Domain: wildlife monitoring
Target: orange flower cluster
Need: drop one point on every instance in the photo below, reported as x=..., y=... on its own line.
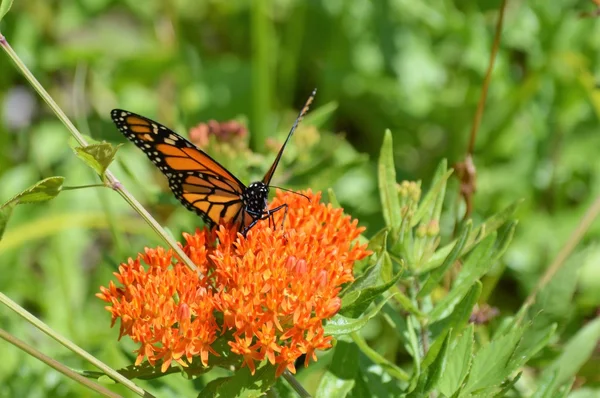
x=273, y=288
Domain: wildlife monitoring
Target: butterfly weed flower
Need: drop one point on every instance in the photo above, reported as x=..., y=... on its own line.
x=228, y=131
x=268, y=292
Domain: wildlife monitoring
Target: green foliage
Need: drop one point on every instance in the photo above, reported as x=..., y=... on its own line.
x=400, y=81
x=5, y=7
x=42, y=191
x=98, y=156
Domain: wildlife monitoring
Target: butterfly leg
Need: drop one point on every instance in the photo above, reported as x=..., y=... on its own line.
x=265, y=215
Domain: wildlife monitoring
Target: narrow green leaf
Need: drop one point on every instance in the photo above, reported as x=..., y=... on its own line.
x=564, y=391
x=4, y=7
x=242, y=383
x=339, y=378
x=505, y=236
x=407, y=303
x=339, y=324
x=374, y=381
x=459, y=317
x=414, y=350
x=458, y=364
x=349, y=298
x=546, y=385
x=476, y=236
x=366, y=297
x=5, y=212
x=476, y=265
x=332, y=198
x=508, y=385
x=431, y=204
x=533, y=340
x=391, y=368
x=41, y=191
x=438, y=366
x=98, y=156
x=376, y=274
x=377, y=243
x=387, y=183
x=438, y=273
x=576, y=352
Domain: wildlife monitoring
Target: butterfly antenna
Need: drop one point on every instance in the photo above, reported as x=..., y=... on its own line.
x=289, y=190
x=303, y=111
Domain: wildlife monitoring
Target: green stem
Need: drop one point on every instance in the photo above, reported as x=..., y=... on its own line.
x=111, y=180
x=295, y=385
x=374, y=356
x=68, y=344
x=56, y=365
x=68, y=188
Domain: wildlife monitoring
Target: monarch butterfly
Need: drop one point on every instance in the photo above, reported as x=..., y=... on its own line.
x=199, y=182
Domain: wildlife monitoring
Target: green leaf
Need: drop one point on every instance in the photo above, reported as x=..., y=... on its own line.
x=564, y=391
x=489, y=364
x=339, y=378
x=366, y=297
x=508, y=385
x=431, y=204
x=546, y=385
x=476, y=236
x=533, y=340
x=476, y=265
x=104, y=379
x=339, y=325
x=42, y=191
x=98, y=156
x=459, y=317
x=242, y=383
x=391, y=368
x=576, y=352
x=553, y=303
x=5, y=212
x=413, y=348
x=505, y=236
x=377, y=243
x=437, y=274
x=4, y=7
x=374, y=275
x=458, y=364
x=387, y=183
x=372, y=380
x=438, y=365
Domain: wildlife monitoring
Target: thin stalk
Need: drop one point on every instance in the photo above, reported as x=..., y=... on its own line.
x=374, y=356
x=584, y=224
x=486, y=81
x=69, y=345
x=111, y=180
x=57, y=365
x=295, y=385
x=68, y=188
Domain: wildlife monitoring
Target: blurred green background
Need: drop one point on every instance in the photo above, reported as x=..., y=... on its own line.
x=413, y=67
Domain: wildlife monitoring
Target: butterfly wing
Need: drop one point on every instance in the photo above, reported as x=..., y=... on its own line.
x=199, y=182
x=267, y=178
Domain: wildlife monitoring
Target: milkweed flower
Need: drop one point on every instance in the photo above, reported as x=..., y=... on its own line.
x=270, y=291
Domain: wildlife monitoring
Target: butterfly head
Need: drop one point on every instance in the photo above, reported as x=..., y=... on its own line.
x=256, y=198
